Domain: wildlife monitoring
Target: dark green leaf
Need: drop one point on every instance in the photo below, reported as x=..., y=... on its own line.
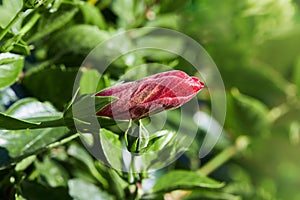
x=34, y=191
x=11, y=66
x=11, y=123
x=179, y=179
x=54, y=84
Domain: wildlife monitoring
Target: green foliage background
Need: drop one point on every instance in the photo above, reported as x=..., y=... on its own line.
x=255, y=44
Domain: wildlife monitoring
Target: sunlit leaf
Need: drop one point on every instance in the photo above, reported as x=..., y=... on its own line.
x=91, y=191
x=17, y=144
x=77, y=39
x=11, y=66
x=52, y=21
x=112, y=148
x=9, y=10
x=179, y=179
x=53, y=173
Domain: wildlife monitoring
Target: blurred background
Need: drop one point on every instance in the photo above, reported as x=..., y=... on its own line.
x=254, y=43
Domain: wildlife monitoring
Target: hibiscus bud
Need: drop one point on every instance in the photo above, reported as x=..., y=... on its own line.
x=150, y=95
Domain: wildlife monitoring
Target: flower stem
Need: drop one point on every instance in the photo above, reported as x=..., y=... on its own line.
x=240, y=144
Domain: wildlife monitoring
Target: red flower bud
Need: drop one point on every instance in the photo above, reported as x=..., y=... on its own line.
x=150, y=95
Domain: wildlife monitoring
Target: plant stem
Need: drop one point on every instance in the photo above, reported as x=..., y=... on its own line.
x=240, y=144
x=53, y=123
x=13, y=21
x=8, y=45
x=29, y=24
x=63, y=141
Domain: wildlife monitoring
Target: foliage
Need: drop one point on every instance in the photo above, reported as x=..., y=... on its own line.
x=254, y=43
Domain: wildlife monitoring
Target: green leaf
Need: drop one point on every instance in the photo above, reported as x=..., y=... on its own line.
x=162, y=143
x=142, y=71
x=207, y=194
x=53, y=21
x=287, y=121
x=87, y=107
x=273, y=51
x=160, y=140
x=257, y=81
x=92, y=15
x=28, y=113
x=246, y=115
x=134, y=15
x=81, y=154
x=91, y=191
x=82, y=110
x=34, y=191
x=106, y=121
x=7, y=96
x=18, y=144
x=297, y=76
x=15, y=145
x=54, y=84
x=19, y=197
x=174, y=44
x=91, y=81
x=9, y=9
x=32, y=110
x=11, y=66
x=26, y=162
x=77, y=39
x=170, y=21
x=179, y=179
x=112, y=148
x=52, y=172
x=11, y=123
